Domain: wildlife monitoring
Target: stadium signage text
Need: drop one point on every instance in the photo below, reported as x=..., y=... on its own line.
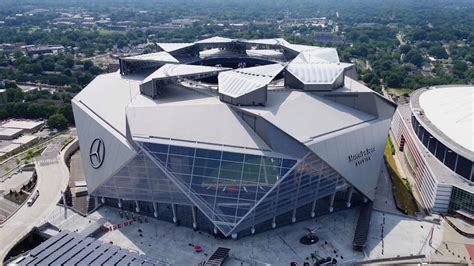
x=361, y=157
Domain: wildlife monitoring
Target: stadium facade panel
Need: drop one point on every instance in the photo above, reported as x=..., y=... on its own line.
x=236, y=149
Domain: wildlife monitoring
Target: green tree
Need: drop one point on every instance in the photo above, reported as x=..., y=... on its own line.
x=438, y=52
x=394, y=81
x=414, y=57
x=57, y=121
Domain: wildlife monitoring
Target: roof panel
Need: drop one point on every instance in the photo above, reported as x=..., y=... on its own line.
x=305, y=116
x=211, y=121
x=298, y=47
x=216, y=39
x=242, y=81
x=318, y=55
x=153, y=57
x=171, y=47
x=276, y=41
x=312, y=73
x=118, y=90
x=176, y=70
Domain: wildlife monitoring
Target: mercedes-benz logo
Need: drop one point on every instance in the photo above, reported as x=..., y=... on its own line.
x=97, y=153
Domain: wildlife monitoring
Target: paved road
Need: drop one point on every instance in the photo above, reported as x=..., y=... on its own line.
x=52, y=180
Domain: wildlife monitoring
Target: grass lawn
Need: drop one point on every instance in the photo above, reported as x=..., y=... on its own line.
x=401, y=187
x=399, y=91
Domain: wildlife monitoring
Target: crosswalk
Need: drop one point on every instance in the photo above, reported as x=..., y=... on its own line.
x=44, y=162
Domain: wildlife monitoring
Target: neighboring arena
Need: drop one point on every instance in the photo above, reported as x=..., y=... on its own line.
x=232, y=136
x=436, y=134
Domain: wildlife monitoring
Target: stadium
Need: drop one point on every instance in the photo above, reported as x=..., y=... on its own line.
x=232, y=136
x=434, y=132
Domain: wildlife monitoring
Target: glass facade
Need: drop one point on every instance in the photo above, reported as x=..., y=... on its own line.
x=224, y=185
x=310, y=180
x=231, y=189
x=462, y=166
x=461, y=200
x=140, y=179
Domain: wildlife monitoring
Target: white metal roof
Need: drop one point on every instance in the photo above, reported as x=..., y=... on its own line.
x=276, y=41
x=108, y=95
x=187, y=115
x=318, y=55
x=215, y=39
x=174, y=70
x=158, y=57
x=171, y=47
x=451, y=110
x=9, y=132
x=316, y=73
x=242, y=81
x=268, y=53
x=298, y=47
x=23, y=124
x=25, y=139
x=10, y=148
x=305, y=116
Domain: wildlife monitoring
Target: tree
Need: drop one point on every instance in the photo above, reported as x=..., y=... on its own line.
x=394, y=81
x=88, y=64
x=414, y=57
x=438, y=52
x=405, y=48
x=459, y=68
x=57, y=121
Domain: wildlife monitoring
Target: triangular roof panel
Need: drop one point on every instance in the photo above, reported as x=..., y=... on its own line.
x=318, y=55
x=153, y=57
x=242, y=81
x=316, y=73
x=171, y=47
x=276, y=41
x=215, y=39
x=178, y=70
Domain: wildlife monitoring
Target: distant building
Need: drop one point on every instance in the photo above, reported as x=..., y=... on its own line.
x=26, y=140
x=435, y=134
x=10, y=133
x=28, y=126
x=44, y=49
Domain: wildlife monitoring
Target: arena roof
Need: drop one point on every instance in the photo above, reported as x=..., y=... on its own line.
x=171, y=47
x=450, y=109
x=242, y=81
x=318, y=55
x=177, y=70
x=316, y=73
x=212, y=121
x=306, y=117
x=153, y=57
x=117, y=90
x=215, y=39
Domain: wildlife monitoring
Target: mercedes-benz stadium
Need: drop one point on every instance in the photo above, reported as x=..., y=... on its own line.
x=232, y=136
x=435, y=134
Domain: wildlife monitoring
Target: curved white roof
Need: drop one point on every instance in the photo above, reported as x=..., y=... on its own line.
x=451, y=110
x=159, y=57
x=176, y=70
x=318, y=73
x=239, y=82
